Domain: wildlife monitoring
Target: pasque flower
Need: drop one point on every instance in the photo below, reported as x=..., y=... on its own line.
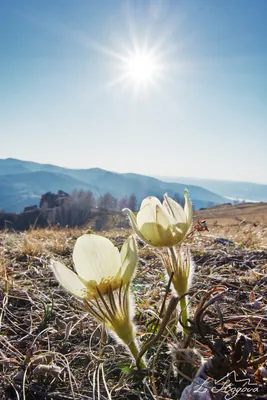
x=181, y=266
x=102, y=279
x=162, y=225
x=99, y=266
x=166, y=225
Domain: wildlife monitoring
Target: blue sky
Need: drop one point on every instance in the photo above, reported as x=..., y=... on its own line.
x=63, y=100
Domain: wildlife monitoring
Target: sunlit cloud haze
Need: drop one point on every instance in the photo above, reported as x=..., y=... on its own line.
x=171, y=88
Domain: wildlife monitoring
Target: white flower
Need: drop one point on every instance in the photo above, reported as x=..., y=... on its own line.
x=99, y=265
x=162, y=225
x=102, y=282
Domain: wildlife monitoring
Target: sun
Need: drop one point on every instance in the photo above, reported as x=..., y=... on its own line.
x=141, y=68
x=139, y=60
x=138, y=68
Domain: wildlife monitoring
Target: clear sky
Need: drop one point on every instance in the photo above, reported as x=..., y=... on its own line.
x=73, y=92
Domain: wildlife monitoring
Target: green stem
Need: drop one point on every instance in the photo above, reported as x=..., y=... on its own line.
x=184, y=315
x=134, y=350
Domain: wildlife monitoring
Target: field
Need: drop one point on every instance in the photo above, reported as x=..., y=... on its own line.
x=243, y=222
x=51, y=349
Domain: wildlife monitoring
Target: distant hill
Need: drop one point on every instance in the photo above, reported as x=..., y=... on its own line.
x=233, y=190
x=20, y=190
x=23, y=182
x=234, y=215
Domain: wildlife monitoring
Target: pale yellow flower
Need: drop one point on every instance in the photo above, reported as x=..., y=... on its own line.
x=99, y=266
x=162, y=225
x=102, y=279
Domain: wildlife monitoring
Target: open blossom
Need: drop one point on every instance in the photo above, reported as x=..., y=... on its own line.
x=99, y=266
x=102, y=280
x=162, y=225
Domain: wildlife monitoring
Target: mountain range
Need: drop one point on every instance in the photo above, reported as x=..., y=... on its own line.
x=23, y=182
x=233, y=190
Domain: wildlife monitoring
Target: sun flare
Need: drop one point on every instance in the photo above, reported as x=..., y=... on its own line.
x=141, y=67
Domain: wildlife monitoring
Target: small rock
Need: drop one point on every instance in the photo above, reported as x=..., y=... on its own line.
x=224, y=241
x=196, y=391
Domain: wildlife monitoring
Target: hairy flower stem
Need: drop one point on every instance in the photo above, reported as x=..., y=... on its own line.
x=115, y=315
x=171, y=307
x=184, y=315
x=177, y=279
x=135, y=352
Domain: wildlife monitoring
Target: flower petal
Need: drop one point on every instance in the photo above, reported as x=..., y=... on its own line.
x=188, y=208
x=95, y=258
x=69, y=280
x=175, y=210
x=129, y=259
x=147, y=213
x=163, y=218
x=178, y=234
x=154, y=234
x=147, y=220
x=132, y=217
x=151, y=200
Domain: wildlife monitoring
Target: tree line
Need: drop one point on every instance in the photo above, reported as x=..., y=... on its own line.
x=80, y=207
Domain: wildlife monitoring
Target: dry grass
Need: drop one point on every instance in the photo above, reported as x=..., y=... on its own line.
x=51, y=349
x=245, y=224
x=47, y=241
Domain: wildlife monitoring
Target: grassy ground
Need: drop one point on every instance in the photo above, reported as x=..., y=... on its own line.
x=246, y=223
x=51, y=349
